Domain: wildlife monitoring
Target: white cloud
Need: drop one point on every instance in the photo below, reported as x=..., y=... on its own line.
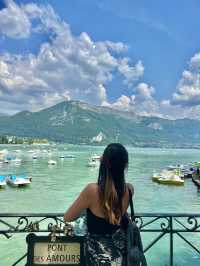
x=145, y=90
x=188, y=89
x=70, y=64
x=14, y=22
x=141, y=102
x=144, y=102
x=116, y=46
x=122, y=103
x=131, y=73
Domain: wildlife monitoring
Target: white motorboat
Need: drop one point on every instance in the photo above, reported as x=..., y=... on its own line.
x=92, y=163
x=182, y=170
x=52, y=162
x=31, y=151
x=16, y=161
x=18, y=180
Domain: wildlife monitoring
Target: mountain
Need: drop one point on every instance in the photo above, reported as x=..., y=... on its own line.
x=80, y=123
x=5, y=115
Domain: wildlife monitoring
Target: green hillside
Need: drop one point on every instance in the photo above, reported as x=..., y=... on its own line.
x=77, y=122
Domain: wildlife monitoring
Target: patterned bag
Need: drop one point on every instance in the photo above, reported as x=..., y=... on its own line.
x=105, y=250
x=135, y=255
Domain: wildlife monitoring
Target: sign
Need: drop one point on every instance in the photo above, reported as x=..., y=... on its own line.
x=66, y=250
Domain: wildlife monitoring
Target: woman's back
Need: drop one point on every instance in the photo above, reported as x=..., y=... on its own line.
x=95, y=205
x=96, y=221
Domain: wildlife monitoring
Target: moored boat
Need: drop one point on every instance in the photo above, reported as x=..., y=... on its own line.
x=176, y=180
x=18, y=180
x=16, y=161
x=196, y=181
x=197, y=164
x=92, y=163
x=167, y=177
x=52, y=162
x=69, y=156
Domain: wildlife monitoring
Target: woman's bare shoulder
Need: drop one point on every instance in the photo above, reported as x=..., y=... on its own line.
x=131, y=187
x=91, y=188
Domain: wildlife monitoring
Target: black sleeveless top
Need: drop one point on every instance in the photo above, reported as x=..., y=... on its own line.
x=98, y=225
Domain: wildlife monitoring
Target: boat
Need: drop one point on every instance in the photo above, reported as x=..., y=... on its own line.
x=197, y=164
x=69, y=156
x=2, y=181
x=20, y=180
x=17, y=161
x=92, y=163
x=156, y=176
x=184, y=170
x=176, y=180
x=167, y=177
x=196, y=181
x=52, y=162
x=187, y=173
x=34, y=157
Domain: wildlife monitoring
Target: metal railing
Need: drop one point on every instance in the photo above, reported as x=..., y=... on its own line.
x=171, y=224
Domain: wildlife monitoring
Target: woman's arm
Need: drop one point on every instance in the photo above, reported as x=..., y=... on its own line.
x=79, y=205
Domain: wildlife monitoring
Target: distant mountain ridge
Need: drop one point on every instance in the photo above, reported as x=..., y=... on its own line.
x=80, y=123
x=2, y=114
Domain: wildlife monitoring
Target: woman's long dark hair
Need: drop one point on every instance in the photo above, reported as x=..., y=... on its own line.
x=111, y=181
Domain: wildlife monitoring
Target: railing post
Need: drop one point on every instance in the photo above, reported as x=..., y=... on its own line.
x=171, y=263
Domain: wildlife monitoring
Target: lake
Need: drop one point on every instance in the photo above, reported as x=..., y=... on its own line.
x=55, y=187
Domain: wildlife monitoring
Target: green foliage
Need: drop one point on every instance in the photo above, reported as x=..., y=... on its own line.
x=5, y=139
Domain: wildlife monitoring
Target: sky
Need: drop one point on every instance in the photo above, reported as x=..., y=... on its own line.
x=133, y=55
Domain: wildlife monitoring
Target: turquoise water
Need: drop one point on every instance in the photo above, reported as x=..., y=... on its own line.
x=54, y=188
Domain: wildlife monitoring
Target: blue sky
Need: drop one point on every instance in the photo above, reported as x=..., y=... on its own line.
x=142, y=56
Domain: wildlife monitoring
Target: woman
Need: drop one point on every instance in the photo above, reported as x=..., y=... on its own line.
x=106, y=203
